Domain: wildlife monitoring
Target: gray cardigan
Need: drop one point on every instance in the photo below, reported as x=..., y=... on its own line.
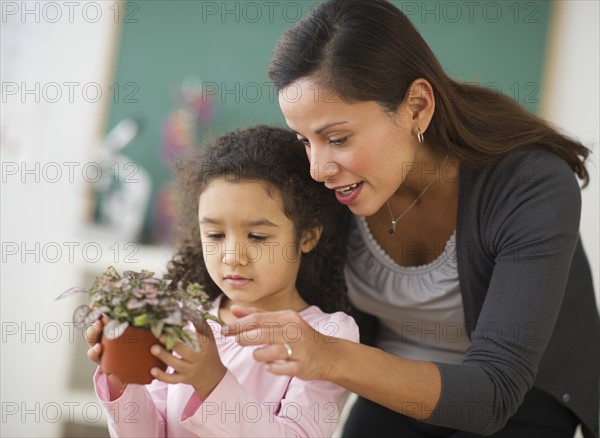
x=527, y=294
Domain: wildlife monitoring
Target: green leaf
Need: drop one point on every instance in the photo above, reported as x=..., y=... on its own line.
x=157, y=328
x=172, y=340
x=141, y=320
x=218, y=320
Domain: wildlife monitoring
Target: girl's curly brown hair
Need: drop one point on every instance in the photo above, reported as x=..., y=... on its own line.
x=276, y=157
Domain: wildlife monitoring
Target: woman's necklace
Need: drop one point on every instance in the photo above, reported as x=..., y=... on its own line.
x=392, y=229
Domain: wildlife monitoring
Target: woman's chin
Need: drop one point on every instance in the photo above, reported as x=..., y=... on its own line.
x=363, y=210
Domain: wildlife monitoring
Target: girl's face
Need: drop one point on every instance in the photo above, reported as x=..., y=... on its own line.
x=249, y=244
x=356, y=149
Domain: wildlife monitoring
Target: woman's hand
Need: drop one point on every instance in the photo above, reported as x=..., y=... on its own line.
x=291, y=346
x=202, y=369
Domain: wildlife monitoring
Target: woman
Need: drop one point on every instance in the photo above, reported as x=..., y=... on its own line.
x=464, y=259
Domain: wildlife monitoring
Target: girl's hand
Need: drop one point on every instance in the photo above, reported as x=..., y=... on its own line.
x=202, y=369
x=92, y=337
x=292, y=347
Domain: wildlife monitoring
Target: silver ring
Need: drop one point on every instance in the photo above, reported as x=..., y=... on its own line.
x=288, y=350
x=420, y=136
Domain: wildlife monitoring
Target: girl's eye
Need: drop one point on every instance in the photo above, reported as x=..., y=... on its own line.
x=257, y=237
x=214, y=236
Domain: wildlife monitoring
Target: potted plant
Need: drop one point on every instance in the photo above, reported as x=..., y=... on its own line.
x=136, y=309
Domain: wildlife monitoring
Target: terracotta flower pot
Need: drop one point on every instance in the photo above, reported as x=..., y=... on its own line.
x=128, y=356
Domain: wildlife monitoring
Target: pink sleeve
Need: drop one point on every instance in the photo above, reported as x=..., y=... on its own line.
x=309, y=408
x=140, y=411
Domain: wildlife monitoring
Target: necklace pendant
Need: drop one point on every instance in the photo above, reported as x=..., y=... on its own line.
x=392, y=229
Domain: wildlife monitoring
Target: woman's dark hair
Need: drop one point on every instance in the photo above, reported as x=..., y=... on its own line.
x=367, y=50
x=276, y=157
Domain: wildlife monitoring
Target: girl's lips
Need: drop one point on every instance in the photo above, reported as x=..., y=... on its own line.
x=349, y=196
x=236, y=281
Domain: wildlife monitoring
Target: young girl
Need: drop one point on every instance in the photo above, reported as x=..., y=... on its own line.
x=262, y=234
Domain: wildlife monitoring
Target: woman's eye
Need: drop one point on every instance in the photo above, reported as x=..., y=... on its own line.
x=304, y=141
x=337, y=142
x=257, y=237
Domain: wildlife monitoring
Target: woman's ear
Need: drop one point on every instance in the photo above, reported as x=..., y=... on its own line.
x=310, y=239
x=421, y=103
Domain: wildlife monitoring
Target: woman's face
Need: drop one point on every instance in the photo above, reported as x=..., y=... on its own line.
x=356, y=149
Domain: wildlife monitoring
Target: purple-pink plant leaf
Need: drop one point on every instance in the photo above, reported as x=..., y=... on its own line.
x=151, y=280
x=192, y=315
x=113, y=329
x=69, y=292
x=85, y=315
x=174, y=318
x=94, y=314
x=133, y=304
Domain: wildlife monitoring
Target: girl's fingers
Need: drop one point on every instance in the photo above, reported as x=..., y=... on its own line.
x=92, y=333
x=94, y=353
x=166, y=377
x=168, y=358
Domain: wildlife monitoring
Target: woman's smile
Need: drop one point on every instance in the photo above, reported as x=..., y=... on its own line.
x=346, y=195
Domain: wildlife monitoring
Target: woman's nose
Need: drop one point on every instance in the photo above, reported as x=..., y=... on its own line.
x=322, y=167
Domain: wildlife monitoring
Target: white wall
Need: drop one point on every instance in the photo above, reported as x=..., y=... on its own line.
x=42, y=210
x=56, y=68
x=571, y=97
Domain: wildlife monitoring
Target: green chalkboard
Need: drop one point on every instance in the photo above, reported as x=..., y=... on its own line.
x=228, y=44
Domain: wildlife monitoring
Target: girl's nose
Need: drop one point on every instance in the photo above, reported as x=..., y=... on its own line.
x=233, y=254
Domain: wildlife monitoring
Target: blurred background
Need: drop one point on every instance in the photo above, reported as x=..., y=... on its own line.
x=99, y=97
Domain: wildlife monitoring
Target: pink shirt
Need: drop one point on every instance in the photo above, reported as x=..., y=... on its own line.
x=248, y=401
